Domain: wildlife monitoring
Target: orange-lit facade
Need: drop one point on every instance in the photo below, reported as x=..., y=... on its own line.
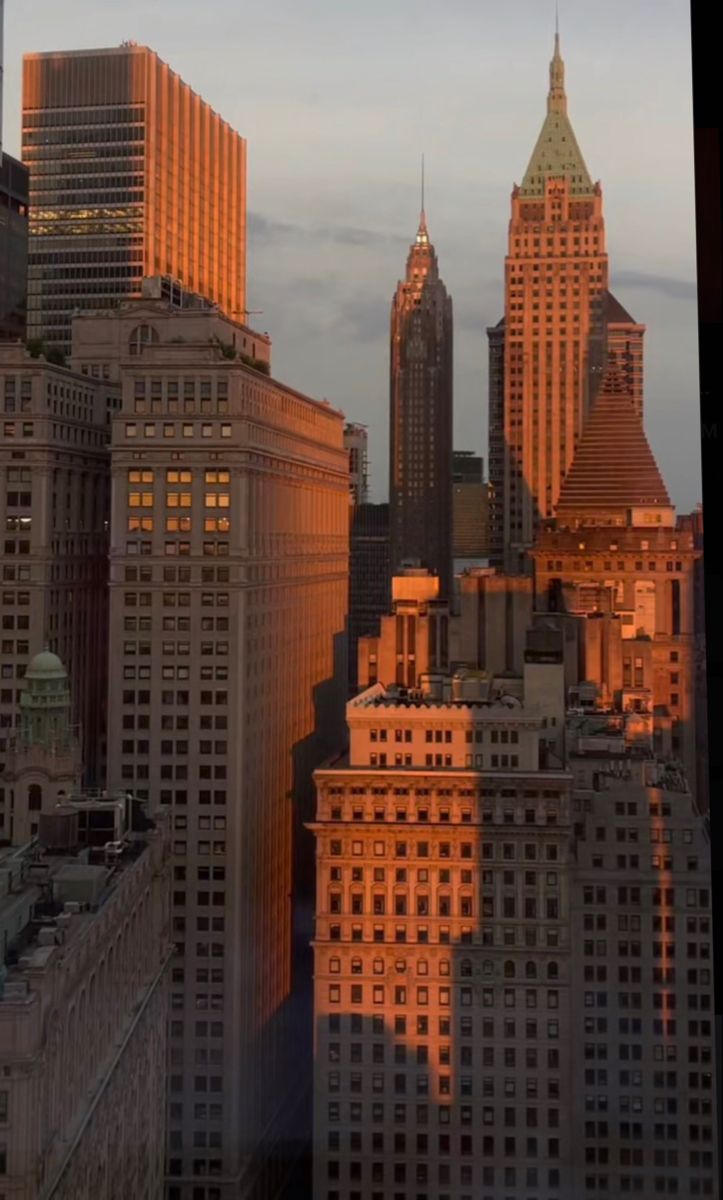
x=556, y=272
x=132, y=175
x=615, y=557
x=624, y=345
x=513, y=966
x=228, y=601
x=425, y=964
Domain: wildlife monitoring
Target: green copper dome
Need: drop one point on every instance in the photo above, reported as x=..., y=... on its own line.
x=46, y=665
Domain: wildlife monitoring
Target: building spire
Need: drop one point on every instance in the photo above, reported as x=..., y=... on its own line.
x=422, y=238
x=556, y=98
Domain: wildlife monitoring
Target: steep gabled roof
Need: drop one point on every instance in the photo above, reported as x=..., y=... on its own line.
x=613, y=467
x=556, y=151
x=614, y=313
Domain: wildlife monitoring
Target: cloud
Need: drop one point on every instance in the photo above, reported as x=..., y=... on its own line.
x=363, y=318
x=674, y=289
x=263, y=230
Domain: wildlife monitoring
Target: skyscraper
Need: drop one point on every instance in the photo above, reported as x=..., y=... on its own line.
x=13, y=247
x=369, y=575
x=624, y=346
x=559, y=328
x=132, y=175
x=356, y=440
x=420, y=443
x=228, y=568
x=470, y=506
x=55, y=508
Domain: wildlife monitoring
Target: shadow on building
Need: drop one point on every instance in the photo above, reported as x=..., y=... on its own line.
x=283, y=1170
x=436, y=1077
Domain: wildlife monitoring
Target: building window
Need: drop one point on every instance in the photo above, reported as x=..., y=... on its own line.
x=142, y=336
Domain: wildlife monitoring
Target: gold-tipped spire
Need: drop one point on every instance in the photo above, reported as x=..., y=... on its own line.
x=556, y=98
x=556, y=153
x=422, y=238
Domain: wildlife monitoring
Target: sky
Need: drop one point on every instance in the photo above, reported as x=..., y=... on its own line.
x=338, y=99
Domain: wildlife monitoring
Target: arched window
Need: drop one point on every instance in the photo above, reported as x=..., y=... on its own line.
x=552, y=972
x=509, y=970
x=487, y=967
x=35, y=797
x=356, y=966
x=465, y=967
x=530, y=970
x=334, y=966
x=142, y=336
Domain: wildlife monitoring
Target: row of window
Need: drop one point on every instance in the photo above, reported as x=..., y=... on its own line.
x=179, y=575
x=464, y=967
x=177, y=500
x=510, y=852
x=502, y=736
x=145, y=524
x=529, y=935
x=219, y=673
x=175, y=475
x=504, y=761
x=187, y=429
x=209, y=549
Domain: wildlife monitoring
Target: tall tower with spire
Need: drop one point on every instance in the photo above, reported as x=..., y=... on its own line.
x=552, y=346
x=420, y=442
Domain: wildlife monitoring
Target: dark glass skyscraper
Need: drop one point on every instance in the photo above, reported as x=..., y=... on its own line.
x=369, y=577
x=13, y=247
x=420, y=444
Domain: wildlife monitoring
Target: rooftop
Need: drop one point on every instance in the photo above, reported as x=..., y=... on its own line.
x=48, y=899
x=613, y=466
x=556, y=153
x=614, y=312
x=472, y=690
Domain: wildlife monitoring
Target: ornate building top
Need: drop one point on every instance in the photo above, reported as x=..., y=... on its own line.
x=45, y=705
x=556, y=153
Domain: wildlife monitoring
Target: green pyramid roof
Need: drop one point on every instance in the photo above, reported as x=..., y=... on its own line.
x=556, y=152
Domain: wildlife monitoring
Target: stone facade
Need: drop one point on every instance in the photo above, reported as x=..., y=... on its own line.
x=427, y=881
x=43, y=766
x=55, y=510
x=513, y=983
x=83, y=1020
x=229, y=587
